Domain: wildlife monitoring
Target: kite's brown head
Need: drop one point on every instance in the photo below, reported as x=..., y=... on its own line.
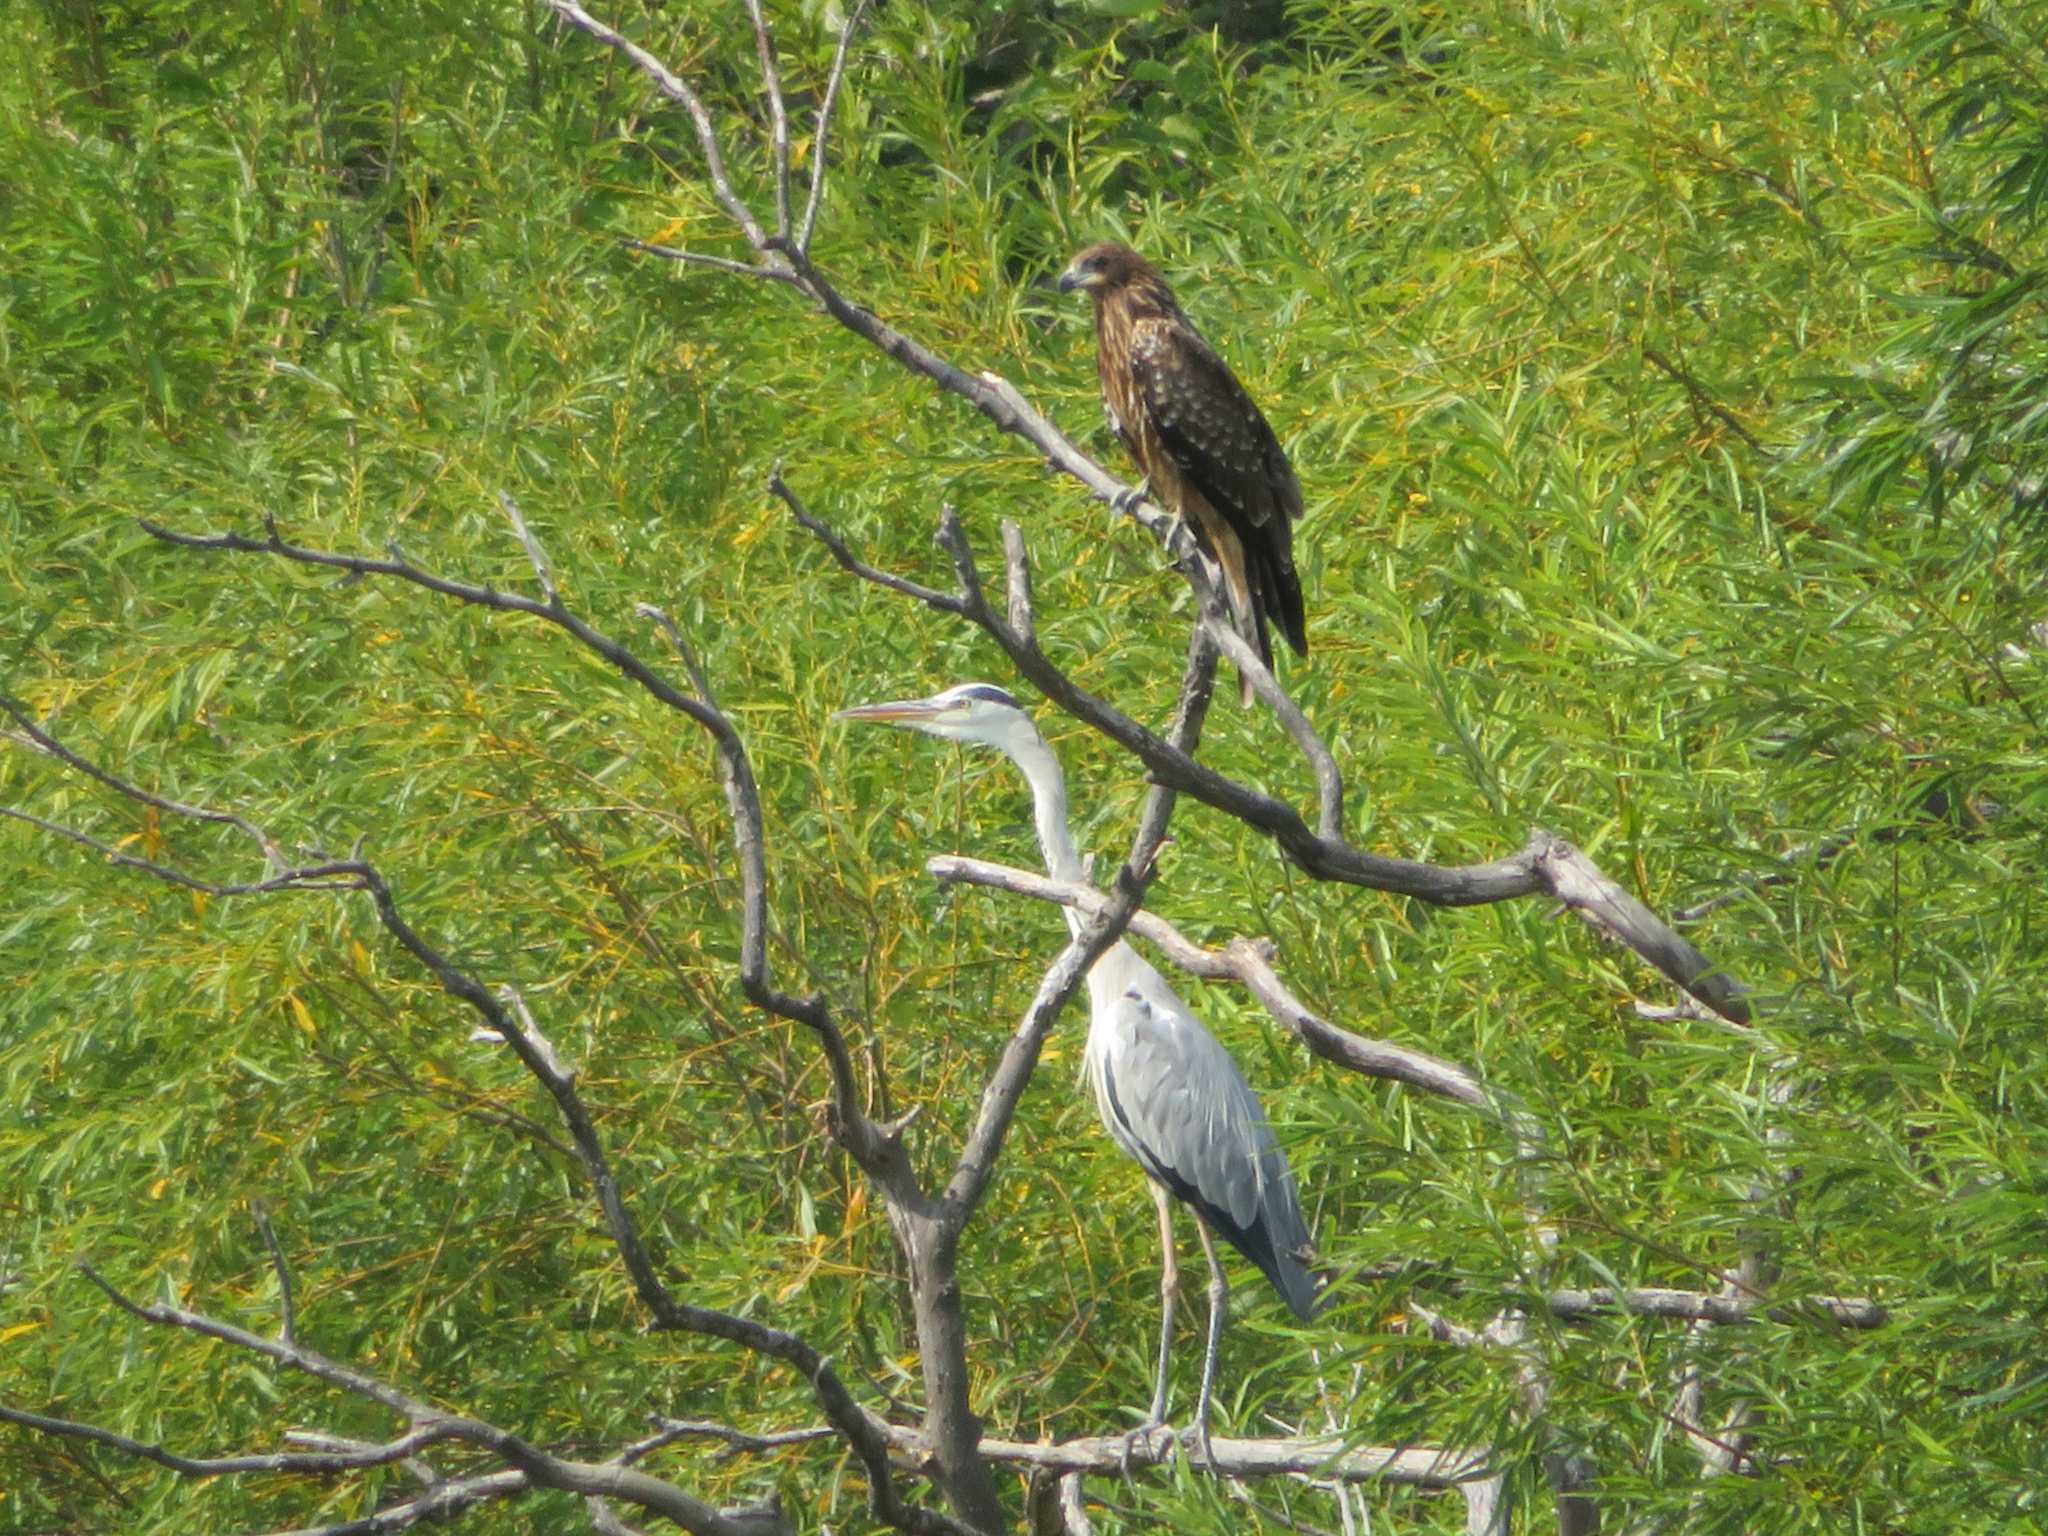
x=1107, y=267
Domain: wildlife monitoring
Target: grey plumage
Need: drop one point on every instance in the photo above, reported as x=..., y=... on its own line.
x=1173, y=1098
x=1169, y=1094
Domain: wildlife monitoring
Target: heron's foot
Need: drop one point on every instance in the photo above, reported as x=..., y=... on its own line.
x=1126, y=501
x=1144, y=1438
x=1197, y=1434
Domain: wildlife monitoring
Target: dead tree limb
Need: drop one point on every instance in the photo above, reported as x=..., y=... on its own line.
x=526, y=1466
x=1546, y=866
x=1249, y=963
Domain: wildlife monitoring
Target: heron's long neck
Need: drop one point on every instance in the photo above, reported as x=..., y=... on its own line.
x=1049, y=811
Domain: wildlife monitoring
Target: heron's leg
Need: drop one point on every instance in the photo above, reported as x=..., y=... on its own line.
x=1219, y=1297
x=1169, y=1293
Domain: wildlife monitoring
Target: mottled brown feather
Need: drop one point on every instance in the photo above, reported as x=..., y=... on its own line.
x=1200, y=439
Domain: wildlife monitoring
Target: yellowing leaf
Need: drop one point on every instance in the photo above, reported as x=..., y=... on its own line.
x=301, y=1015
x=18, y=1330
x=157, y=1188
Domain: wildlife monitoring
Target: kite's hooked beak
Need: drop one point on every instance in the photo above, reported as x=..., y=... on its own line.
x=1070, y=280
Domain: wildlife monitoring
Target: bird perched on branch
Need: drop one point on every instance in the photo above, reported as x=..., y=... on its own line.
x=1206, y=452
x=1169, y=1094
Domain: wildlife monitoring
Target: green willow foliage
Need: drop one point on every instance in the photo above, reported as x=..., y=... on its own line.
x=1955, y=404
x=1667, y=380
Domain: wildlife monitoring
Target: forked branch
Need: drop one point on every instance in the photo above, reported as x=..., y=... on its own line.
x=1546, y=866
x=525, y=1465
x=1247, y=962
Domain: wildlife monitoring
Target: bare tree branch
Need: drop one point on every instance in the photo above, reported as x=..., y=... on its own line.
x=999, y=1100
x=677, y=90
x=1247, y=962
x=421, y=1470
x=778, y=116
x=929, y=1230
x=536, y=1468
x=700, y=259
x=932, y=597
x=287, y=1307
x=1717, y=1306
x=309, y=1463
x=1322, y=762
x=1330, y=1458
x=332, y=876
x=1546, y=866
x=736, y=1441
x=824, y=129
x=34, y=735
x=529, y=1466
x=442, y=1502
x=1197, y=688
x=878, y=1150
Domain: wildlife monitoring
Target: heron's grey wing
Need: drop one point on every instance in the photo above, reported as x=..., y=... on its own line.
x=1176, y=1102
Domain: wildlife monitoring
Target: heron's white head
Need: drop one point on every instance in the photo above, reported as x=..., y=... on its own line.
x=976, y=712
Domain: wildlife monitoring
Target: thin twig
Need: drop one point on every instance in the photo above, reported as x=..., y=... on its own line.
x=443, y=1502
x=357, y=1457
x=1184, y=734
x=677, y=90
x=41, y=739
x=700, y=259
x=543, y=570
x=736, y=1441
x=287, y=1327
x=840, y=551
x=778, y=115
x=1322, y=762
x=336, y=875
x=420, y=1469
x=819, y=138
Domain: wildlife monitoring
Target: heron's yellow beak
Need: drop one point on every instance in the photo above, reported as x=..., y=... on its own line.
x=895, y=712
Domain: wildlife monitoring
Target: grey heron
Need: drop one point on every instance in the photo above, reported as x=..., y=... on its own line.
x=1169, y=1094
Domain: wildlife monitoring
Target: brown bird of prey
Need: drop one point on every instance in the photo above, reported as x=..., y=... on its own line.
x=1205, y=451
